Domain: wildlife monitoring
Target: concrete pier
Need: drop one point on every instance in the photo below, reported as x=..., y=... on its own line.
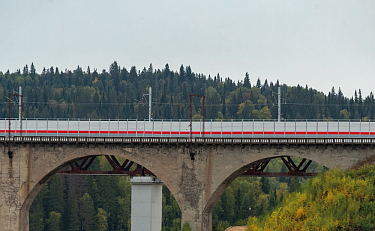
x=146, y=207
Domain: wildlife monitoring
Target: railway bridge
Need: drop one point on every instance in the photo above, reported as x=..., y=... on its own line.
x=196, y=165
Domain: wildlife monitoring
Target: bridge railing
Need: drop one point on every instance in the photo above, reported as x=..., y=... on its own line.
x=181, y=128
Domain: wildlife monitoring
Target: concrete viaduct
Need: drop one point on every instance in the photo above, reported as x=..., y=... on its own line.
x=196, y=184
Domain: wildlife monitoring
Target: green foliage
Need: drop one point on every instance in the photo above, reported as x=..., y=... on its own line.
x=91, y=94
x=256, y=196
x=212, y=98
x=94, y=210
x=186, y=227
x=263, y=113
x=101, y=221
x=171, y=214
x=222, y=226
x=54, y=221
x=37, y=214
x=245, y=110
x=240, y=222
x=72, y=213
x=344, y=114
x=36, y=217
x=88, y=212
x=176, y=225
x=57, y=202
x=330, y=201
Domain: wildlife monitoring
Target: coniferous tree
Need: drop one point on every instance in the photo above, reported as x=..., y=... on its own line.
x=56, y=200
x=25, y=70
x=72, y=214
x=53, y=222
x=87, y=212
x=101, y=221
x=246, y=82
x=32, y=70
x=259, y=83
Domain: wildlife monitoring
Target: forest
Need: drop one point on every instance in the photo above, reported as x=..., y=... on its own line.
x=99, y=203
x=119, y=93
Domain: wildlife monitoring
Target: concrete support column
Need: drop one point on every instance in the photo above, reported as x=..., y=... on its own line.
x=195, y=187
x=192, y=217
x=207, y=221
x=10, y=190
x=146, y=207
x=9, y=219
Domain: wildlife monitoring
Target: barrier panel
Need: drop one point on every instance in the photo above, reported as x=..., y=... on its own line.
x=181, y=128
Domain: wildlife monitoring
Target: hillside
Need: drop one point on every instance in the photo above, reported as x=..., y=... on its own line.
x=335, y=200
x=119, y=93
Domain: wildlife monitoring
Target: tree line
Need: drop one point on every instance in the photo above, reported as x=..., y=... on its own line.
x=119, y=93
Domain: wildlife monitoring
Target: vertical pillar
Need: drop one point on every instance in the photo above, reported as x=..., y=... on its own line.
x=278, y=104
x=149, y=103
x=20, y=108
x=146, y=207
x=14, y=184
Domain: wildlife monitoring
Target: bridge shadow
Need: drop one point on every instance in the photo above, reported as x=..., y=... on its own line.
x=256, y=188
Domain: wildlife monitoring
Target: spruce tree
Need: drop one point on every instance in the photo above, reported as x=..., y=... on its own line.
x=246, y=82
x=87, y=212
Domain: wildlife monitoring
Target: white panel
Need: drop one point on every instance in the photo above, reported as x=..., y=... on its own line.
x=236, y=126
x=279, y=126
x=140, y=224
x=290, y=126
x=156, y=222
x=141, y=209
x=141, y=193
x=156, y=210
x=156, y=196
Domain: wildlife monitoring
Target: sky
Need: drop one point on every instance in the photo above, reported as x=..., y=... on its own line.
x=319, y=43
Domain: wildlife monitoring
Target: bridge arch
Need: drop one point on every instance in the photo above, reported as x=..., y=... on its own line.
x=56, y=159
x=236, y=160
x=221, y=188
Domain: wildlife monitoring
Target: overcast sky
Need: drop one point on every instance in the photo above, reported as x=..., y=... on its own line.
x=319, y=43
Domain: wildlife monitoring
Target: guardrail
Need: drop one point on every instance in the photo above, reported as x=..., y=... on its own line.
x=181, y=128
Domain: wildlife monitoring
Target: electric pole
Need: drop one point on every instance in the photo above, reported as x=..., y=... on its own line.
x=20, y=105
x=278, y=104
x=149, y=103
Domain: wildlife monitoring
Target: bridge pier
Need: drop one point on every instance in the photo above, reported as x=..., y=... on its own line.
x=198, y=220
x=146, y=208
x=12, y=185
x=196, y=189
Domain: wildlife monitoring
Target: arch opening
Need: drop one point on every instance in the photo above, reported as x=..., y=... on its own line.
x=108, y=196
x=242, y=195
